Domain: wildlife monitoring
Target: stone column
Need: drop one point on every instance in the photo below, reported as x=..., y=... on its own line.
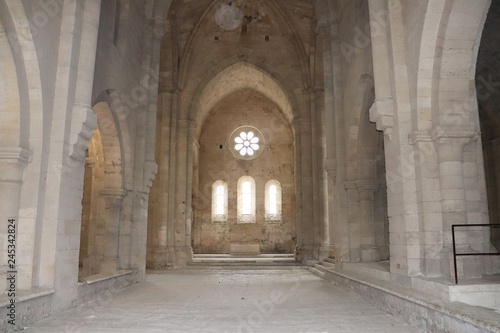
x=12, y=163
x=110, y=239
x=330, y=163
x=331, y=174
x=178, y=234
x=86, y=236
x=305, y=223
x=382, y=112
x=353, y=222
x=450, y=143
x=157, y=223
x=366, y=191
x=82, y=112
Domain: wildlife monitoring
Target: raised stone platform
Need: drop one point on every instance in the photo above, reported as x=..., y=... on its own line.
x=233, y=260
x=245, y=249
x=427, y=304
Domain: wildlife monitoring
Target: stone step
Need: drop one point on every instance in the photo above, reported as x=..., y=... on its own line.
x=318, y=271
x=277, y=255
x=330, y=260
x=326, y=264
x=409, y=304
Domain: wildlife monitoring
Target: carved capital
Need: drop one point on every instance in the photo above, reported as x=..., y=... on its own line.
x=366, y=188
x=13, y=160
x=454, y=135
x=351, y=185
x=451, y=141
x=150, y=171
x=419, y=136
x=83, y=123
x=382, y=114
x=113, y=196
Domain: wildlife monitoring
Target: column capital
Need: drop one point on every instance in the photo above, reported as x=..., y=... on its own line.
x=113, y=195
x=450, y=141
x=351, y=185
x=83, y=123
x=150, y=171
x=455, y=135
x=382, y=114
x=13, y=161
x=15, y=155
x=367, y=185
x=419, y=136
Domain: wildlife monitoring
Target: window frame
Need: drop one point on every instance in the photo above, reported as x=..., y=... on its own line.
x=242, y=216
x=271, y=216
x=216, y=217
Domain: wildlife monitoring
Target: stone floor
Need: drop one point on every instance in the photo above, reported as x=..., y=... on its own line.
x=287, y=299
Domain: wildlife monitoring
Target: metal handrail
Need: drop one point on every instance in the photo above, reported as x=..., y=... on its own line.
x=455, y=254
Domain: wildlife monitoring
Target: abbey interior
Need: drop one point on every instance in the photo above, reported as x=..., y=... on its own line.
x=347, y=137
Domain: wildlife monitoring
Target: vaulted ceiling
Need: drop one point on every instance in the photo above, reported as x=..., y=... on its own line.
x=275, y=39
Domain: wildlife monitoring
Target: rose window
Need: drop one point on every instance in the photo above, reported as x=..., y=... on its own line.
x=247, y=143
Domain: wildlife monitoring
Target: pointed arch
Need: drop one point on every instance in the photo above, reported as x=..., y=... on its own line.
x=303, y=58
x=233, y=78
x=454, y=101
x=113, y=118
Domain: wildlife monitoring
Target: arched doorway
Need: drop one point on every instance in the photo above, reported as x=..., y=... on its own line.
x=102, y=198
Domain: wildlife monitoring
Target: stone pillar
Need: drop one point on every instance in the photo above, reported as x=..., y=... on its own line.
x=86, y=238
x=382, y=112
x=366, y=191
x=353, y=221
x=450, y=143
x=111, y=236
x=82, y=112
x=328, y=130
x=157, y=221
x=331, y=173
x=178, y=234
x=305, y=217
x=12, y=163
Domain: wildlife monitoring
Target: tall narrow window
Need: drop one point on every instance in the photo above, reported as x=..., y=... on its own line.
x=246, y=193
x=273, y=201
x=246, y=200
x=219, y=201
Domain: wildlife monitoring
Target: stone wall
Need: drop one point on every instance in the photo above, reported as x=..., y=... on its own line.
x=217, y=162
